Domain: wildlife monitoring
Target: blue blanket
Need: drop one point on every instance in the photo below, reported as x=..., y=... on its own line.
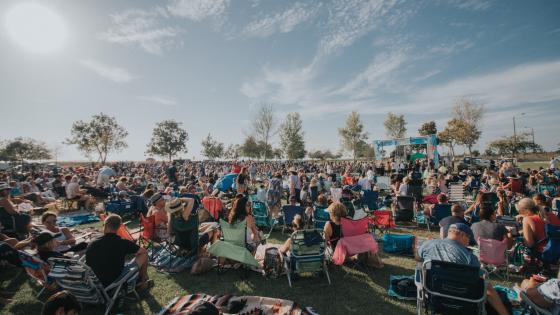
x=68, y=221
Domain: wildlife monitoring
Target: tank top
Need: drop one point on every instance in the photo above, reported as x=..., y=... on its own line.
x=539, y=232
x=61, y=248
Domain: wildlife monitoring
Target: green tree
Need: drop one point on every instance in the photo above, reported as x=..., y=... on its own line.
x=101, y=135
x=233, y=152
x=323, y=155
x=507, y=146
x=353, y=134
x=212, y=149
x=264, y=126
x=395, y=126
x=428, y=128
x=291, y=137
x=20, y=149
x=168, y=139
x=250, y=148
x=366, y=151
x=468, y=116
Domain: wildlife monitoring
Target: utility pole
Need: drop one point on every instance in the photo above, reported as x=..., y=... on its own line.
x=514, y=151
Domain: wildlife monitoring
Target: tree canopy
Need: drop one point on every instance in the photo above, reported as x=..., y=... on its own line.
x=101, y=135
x=353, y=134
x=291, y=137
x=395, y=126
x=264, y=126
x=212, y=149
x=168, y=139
x=20, y=149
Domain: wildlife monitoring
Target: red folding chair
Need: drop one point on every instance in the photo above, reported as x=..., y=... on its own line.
x=382, y=220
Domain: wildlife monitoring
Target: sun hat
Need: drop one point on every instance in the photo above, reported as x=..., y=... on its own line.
x=155, y=198
x=4, y=186
x=173, y=205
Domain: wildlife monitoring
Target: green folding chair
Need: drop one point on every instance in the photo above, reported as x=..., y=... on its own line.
x=233, y=246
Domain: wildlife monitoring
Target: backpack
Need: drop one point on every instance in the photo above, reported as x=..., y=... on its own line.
x=272, y=262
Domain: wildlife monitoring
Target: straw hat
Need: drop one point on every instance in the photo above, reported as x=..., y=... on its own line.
x=173, y=205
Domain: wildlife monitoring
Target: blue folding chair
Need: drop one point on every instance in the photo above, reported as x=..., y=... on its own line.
x=369, y=199
x=439, y=212
x=320, y=217
x=288, y=214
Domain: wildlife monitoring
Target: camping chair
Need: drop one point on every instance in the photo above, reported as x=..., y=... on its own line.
x=382, y=220
x=78, y=278
x=233, y=245
x=260, y=213
x=439, y=212
x=213, y=205
x=449, y=288
x=369, y=199
x=551, y=252
x=36, y=269
x=121, y=207
x=149, y=238
x=8, y=223
x=550, y=187
x=531, y=306
x=456, y=192
x=306, y=255
x=404, y=208
x=288, y=214
x=493, y=256
x=355, y=239
x=320, y=217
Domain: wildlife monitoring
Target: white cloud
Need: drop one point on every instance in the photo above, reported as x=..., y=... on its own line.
x=451, y=48
x=197, y=10
x=283, y=22
x=476, y=5
x=158, y=99
x=144, y=28
x=115, y=74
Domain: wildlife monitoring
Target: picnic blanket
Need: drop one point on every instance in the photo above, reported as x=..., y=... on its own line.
x=230, y=304
x=164, y=259
x=73, y=220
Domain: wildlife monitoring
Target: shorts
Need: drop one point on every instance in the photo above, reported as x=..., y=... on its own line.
x=127, y=268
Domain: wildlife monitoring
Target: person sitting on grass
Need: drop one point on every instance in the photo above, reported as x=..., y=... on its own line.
x=106, y=256
x=454, y=249
x=61, y=303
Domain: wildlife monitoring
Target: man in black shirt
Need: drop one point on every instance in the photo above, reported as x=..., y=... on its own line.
x=106, y=255
x=457, y=216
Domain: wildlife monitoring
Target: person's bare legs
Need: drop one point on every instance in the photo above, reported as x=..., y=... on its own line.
x=494, y=299
x=142, y=262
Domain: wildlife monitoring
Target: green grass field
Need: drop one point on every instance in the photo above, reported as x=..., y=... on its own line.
x=533, y=165
x=351, y=291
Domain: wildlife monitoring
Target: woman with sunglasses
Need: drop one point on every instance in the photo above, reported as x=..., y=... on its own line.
x=66, y=242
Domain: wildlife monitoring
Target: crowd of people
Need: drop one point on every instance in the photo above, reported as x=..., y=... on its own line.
x=175, y=193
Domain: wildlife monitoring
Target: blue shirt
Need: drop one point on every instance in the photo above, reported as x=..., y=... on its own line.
x=447, y=250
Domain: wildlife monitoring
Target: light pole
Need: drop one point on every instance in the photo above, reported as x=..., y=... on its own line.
x=532, y=134
x=514, y=151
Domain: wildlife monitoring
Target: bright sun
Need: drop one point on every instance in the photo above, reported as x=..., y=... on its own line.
x=36, y=28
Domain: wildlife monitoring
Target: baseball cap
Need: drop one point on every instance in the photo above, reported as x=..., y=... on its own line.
x=463, y=228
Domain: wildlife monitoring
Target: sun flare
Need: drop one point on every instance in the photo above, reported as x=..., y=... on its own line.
x=36, y=28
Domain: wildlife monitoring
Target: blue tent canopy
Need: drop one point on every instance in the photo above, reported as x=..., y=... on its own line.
x=225, y=182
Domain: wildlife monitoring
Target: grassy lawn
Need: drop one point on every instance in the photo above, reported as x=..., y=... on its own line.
x=533, y=165
x=351, y=292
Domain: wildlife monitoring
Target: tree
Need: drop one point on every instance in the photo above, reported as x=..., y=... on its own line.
x=250, y=148
x=20, y=149
x=446, y=137
x=353, y=134
x=168, y=139
x=101, y=135
x=264, y=124
x=507, y=146
x=211, y=148
x=291, y=137
x=468, y=115
x=366, y=151
x=395, y=126
x=428, y=128
x=323, y=155
x=459, y=132
x=233, y=152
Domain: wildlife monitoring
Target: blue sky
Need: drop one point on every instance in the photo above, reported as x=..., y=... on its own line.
x=209, y=63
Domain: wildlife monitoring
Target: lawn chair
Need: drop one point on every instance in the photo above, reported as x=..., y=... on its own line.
x=382, y=220
x=121, y=207
x=439, y=212
x=36, y=269
x=551, y=252
x=78, y=278
x=493, y=256
x=213, y=205
x=404, y=208
x=288, y=214
x=8, y=223
x=550, y=187
x=320, y=217
x=449, y=288
x=233, y=245
x=260, y=213
x=306, y=255
x=531, y=307
x=369, y=199
x=355, y=240
x=456, y=192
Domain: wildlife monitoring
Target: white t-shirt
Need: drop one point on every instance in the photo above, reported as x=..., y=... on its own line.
x=365, y=183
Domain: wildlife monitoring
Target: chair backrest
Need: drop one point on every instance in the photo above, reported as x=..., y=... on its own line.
x=370, y=199
x=307, y=242
x=353, y=227
x=213, y=205
x=405, y=203
x=77, y=278
x=234, y=233
x=384, y=218
x=336, y=194
x=148, y=226
x=441, y=211
x=462, y=285
x=551, y=251
x=320, y=217
x=290, y=212
x=492, y=252
x=122, y=231
x=456, y=192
